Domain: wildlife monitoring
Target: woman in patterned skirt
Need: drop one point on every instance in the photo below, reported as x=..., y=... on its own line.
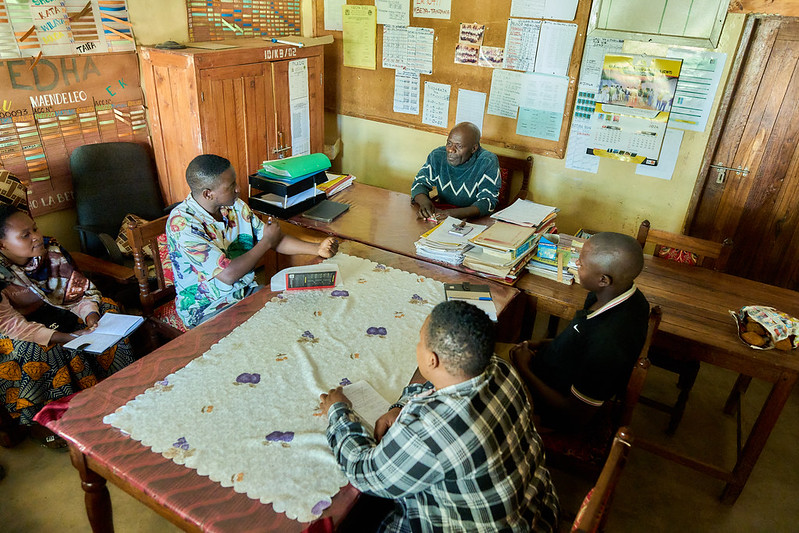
x=45, y=303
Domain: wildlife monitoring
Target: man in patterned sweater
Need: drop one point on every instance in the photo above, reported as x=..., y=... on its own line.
x=458, y=451
x=465, y=175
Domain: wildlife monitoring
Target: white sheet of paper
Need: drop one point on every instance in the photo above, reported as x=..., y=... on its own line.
x=278, y=281
x=560, y=9
x=521, y=43
x=435, y=110
x=406, y=92
x=395, y=45
x=299, y=107
x=669, y=153
x=471, y=106
x=696, y=89
x=432, y=9
x=576, y=156
x=420, y=50
x=393, y=12
x=555, y=47
x=333, y=14
x=528, y=8
x=594, y=60
x=506, y=86
x=367, y=403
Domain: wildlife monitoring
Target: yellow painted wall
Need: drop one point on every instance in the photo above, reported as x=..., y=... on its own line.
x=614, y=199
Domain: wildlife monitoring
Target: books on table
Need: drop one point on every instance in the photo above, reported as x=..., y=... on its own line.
x=527, y=213
x=335, y=183
x=440, y=244
x=111, y=329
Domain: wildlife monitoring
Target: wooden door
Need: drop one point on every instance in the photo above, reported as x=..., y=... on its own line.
x=283, y=117
x=759, y=211
x=235, y=107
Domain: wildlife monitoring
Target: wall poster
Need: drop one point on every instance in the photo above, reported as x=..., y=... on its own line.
x=632, y=107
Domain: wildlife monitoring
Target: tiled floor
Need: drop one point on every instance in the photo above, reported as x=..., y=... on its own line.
x=41, y=492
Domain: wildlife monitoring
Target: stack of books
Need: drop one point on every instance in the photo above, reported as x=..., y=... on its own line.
x=448, y=241
x=285, y=187
x=556, y=258
x=503, y=250
x=335, y=183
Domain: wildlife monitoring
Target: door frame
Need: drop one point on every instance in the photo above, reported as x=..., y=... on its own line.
x=722, y=115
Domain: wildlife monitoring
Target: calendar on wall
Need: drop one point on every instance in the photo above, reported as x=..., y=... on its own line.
x=632, y=107
x=212, y=20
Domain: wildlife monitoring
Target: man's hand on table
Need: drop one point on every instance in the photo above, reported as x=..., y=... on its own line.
x=426, y=207
x=385, y=422
x=328, y=247
x=333, y=396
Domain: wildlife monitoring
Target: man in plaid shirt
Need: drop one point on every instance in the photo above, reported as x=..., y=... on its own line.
x=459, y=451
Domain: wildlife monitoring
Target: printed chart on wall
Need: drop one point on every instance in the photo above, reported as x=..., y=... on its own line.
x=60, y=104
x=633, y=103
x=63, y=27
x=214, y=20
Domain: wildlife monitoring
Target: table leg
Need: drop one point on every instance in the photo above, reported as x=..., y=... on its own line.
x=765, y=422
x=97, y=497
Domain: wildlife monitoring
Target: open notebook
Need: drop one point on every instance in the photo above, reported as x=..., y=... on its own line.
x=111, y=328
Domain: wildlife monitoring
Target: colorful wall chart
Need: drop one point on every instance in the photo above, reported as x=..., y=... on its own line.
x=212, y=20
x=59, y=104
x=35, y=28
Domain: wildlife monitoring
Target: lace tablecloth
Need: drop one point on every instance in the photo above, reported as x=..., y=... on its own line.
x=245, y=413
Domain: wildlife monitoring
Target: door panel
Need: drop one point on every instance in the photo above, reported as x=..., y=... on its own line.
x=758, y=211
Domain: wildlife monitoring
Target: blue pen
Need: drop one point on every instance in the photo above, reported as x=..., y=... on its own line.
x=485, y=298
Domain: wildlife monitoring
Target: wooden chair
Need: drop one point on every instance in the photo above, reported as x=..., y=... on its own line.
x=586, y=453
x=155, y=278
x=693, y=251
x=594, y=511
x=508, y=165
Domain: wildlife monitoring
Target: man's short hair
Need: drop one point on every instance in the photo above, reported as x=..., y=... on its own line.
x=462, y=336
x=618, y=255
x=204, y=170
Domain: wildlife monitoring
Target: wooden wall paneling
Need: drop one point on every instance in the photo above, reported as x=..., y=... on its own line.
x=280, y=92
x=316, y=69
x=741, y=99
x=770, y=218
x=789, y=8
x=370, y=94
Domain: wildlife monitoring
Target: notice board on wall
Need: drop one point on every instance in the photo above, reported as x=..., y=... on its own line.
x=58, y=104
x=370, y=94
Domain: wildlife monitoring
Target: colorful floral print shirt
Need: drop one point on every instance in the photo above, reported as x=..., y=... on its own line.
x=200, y=248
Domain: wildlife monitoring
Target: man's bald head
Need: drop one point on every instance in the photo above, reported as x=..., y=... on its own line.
x=463, y=141
x=469, y=132
x=615, y=254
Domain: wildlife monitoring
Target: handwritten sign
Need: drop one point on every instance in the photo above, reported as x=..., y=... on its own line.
x=432, y=9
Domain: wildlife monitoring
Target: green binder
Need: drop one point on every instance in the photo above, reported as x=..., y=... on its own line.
x=295, y=166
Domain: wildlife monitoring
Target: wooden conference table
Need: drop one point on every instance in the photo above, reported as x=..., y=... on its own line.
x=695, y=304
x=191, y=501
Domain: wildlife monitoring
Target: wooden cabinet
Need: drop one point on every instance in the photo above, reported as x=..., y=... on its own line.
x=232, y=102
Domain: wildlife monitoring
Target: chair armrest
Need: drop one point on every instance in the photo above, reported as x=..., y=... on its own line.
x=87, y=263
x=108, y=242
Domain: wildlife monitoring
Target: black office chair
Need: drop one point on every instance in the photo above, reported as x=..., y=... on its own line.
x=110, y=181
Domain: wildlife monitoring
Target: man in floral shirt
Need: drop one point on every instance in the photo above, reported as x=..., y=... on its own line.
x=215, y=241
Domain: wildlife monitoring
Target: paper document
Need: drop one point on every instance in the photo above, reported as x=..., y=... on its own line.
x=111, y=328
x=524, y=213
x=367, y=403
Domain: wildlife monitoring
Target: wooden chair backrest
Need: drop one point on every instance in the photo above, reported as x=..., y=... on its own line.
x=140, y=236
x=525, y=166
x=636, y=383
x=592, y=516
x=709, y=253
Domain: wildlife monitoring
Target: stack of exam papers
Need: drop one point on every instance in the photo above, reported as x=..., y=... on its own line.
x=439, y=244
x=527, y=213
